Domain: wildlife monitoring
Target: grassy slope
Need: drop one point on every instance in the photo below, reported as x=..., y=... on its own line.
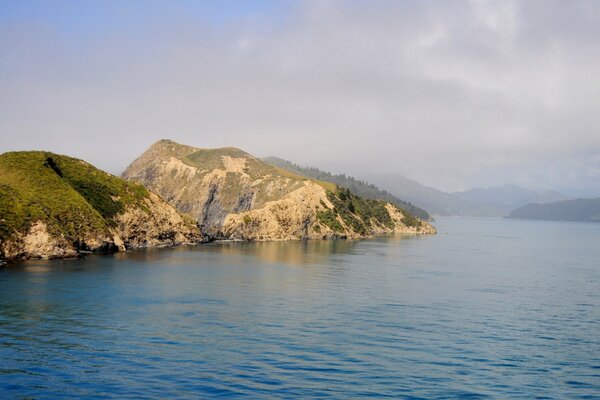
x=210, y=159
x=289, y=174
x=358, y=187
x=70, y=195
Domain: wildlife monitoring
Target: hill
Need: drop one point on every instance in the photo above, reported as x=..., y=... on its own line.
x=357, y=186
x=54, y=206
x=234, y=195
x=585, y=210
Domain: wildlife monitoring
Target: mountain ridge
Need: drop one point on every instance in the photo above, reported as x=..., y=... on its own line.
x=360, y=187
x=508, y=197
x=234, y=195
x=495, y=201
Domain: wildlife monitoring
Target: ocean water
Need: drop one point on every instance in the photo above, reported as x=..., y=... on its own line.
x=488, y=308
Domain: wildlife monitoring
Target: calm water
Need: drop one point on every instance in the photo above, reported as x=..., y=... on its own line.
x=486, y=308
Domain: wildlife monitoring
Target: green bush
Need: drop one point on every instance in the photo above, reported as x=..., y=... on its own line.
x=359, y=213
x=328, y=217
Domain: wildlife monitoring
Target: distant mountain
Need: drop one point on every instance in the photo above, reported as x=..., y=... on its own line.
x=587, y=210
x=356, y=186
x=508, y=197
x=234, y=195
x=415, y=197
x=433, y=200
x=479, y=202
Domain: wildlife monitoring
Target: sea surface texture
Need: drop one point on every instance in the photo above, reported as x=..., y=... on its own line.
x=487, y=308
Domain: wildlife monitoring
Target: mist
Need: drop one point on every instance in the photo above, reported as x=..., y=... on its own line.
x=452, y=94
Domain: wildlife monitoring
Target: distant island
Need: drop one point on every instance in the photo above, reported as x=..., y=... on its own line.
x=55, y=206
x=583, y=210
x=496, y=201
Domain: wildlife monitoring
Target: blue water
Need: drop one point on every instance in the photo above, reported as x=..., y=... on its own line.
x=487, y=308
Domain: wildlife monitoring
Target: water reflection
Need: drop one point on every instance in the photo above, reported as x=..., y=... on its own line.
x=286, y=252
x=473, y=311
x=300, y=253
x=293, y=253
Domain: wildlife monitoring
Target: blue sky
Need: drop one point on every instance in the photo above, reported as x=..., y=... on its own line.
x=455, y=95
x=79, y=15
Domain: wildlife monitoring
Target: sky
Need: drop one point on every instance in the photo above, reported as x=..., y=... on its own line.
x=454, y=94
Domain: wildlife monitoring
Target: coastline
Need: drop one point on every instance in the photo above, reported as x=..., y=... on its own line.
x=83, y=254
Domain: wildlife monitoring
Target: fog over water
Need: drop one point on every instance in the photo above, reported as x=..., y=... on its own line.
x=452, y=94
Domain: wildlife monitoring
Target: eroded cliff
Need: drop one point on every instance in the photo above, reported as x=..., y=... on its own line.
x=234, y=195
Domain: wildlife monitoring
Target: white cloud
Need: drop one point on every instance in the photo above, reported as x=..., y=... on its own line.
x=452, y=94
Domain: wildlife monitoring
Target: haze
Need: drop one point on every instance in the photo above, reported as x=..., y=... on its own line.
x=452, y=94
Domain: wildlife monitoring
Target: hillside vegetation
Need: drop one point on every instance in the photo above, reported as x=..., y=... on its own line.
x=359, y=213
x=356, y=186
x=71, y=206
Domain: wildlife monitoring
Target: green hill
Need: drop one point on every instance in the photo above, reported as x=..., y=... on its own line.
x=56, y=206
x=356, y=186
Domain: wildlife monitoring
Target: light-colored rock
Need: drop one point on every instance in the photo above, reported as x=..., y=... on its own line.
x=290, y=218
x=38, y=243
x=397, y=217
x=233, y=195
x=294, y=217
x=161, y=225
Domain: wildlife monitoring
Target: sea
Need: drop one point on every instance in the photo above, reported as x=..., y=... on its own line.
x=486, y=308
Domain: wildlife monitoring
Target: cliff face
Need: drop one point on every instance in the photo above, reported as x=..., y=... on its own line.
x=53, y=206
x=233, y=195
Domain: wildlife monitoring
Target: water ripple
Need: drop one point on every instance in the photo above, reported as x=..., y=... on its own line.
x=462, y=315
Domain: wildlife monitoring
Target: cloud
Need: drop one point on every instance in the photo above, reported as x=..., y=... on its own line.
x=452, y=94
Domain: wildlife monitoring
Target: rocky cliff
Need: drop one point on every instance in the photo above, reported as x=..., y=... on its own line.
x=233, y=195
x=54, y=206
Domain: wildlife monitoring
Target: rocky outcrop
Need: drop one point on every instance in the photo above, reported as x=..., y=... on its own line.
x=53, y=206
x=294, y=216
x=233, y=195
x=158, y=225
x=37, y=242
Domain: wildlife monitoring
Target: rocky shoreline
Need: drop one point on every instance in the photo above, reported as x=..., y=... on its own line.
x=79, y=254
x=54, y=206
